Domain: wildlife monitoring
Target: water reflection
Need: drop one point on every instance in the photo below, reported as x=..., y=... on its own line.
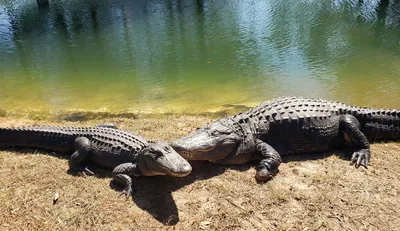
x=196, y=55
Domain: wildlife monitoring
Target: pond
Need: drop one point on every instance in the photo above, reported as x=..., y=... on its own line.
x=195, y=56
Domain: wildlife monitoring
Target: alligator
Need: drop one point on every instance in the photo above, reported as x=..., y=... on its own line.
x=106, y=146
x=286, y=126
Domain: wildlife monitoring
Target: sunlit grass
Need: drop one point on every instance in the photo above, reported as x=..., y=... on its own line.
x=324, y=193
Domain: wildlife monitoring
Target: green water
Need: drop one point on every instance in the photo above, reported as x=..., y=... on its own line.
x=195, y=56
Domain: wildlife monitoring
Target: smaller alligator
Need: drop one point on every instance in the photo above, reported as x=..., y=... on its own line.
x=124, y=152
x=288, y=126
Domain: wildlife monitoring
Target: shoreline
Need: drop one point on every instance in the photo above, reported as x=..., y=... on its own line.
x=84, y=115
x=91, y=114
x=77, y=115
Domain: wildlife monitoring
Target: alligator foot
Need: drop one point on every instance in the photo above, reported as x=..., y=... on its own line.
x=87, y=172
x=128, y=191
x=361, y=157
x=264, y=175
x=83, y=171
x=270, y=161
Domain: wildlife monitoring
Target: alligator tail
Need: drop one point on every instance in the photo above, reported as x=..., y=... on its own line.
x=379, y=124
x=36, y=137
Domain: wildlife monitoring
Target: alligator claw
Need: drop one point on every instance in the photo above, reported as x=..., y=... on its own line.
x=88, y=171
x=361, y=158
x=85, y=172
x=128, y=191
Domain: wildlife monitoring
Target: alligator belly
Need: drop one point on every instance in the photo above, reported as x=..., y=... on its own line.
x=293, y=145
x=311, y=136
x=109, y=159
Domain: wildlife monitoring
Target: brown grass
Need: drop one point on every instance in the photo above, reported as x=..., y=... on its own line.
x=309, y=193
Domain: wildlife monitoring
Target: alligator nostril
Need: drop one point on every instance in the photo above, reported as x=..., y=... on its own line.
x=176, y=147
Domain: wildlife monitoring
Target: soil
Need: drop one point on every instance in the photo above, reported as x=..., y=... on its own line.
x=311, y=192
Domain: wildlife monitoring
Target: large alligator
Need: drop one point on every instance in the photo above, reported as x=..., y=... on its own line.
x=124, y=152
x=286, y=126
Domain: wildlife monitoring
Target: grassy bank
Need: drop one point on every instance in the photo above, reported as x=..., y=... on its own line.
x=310, y=192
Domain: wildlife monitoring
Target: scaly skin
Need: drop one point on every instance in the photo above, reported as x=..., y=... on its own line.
x=124, y=152
x=287, y=126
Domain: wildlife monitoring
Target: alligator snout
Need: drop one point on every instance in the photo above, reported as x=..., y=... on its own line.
x=182, y=170
x=177, y=147
x=180, y=148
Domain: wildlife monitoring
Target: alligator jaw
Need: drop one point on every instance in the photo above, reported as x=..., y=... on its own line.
x=160, y=159
x=175, y=166
x=183, y=171
x=193, y=147
x=212, y=143
x=190, y=153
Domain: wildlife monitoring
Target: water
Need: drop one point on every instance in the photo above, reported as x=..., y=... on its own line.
x=195, y=56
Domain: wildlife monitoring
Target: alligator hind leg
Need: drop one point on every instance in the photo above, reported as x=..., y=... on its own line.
x=122, y=175
x=270, y=161
x=82, y=147
x=350, y=126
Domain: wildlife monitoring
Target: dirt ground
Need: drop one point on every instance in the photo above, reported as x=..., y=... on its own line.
x=311, y=192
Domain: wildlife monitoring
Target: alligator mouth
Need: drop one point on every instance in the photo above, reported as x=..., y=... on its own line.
x=181, y=172
x=205, y=150
x=194, y=155
x=190, y=153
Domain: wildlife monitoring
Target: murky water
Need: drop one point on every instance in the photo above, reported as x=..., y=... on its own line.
x=196, y=56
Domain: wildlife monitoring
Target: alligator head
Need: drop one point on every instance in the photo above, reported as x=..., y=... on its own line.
x=214, y=142
x=158, y=158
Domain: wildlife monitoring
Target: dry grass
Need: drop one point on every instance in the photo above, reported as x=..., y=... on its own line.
x=309, y=193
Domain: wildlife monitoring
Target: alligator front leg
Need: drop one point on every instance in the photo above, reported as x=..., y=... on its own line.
x=350, y=126
x=82, y=147
x=122, y=174
x=270, y=161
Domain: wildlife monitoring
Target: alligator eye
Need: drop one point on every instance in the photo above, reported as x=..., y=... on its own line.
x=215, y=133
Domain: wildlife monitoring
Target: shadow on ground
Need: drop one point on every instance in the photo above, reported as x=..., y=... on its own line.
x=153, y=194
